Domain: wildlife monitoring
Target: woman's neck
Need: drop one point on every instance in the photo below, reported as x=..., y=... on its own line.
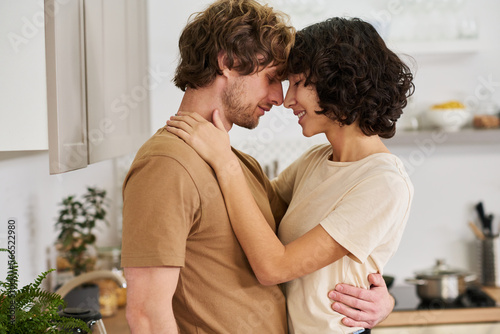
x=349, y=143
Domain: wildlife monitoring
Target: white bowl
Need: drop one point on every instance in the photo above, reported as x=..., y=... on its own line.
x=449, y=120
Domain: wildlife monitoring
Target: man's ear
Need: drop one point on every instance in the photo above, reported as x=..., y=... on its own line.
x=222, y=62
x=224, y=67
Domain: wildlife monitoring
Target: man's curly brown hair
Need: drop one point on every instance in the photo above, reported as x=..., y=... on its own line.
x=249, y=35
x=357, y=78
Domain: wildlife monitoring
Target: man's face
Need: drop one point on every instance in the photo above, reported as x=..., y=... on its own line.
x=248, y=97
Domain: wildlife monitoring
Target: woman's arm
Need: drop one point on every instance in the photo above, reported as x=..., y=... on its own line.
x=271, y=261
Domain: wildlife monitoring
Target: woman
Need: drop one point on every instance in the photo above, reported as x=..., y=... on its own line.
x=349, y=199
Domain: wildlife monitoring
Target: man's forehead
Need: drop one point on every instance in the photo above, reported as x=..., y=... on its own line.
x=271, y=69
x=274, y=70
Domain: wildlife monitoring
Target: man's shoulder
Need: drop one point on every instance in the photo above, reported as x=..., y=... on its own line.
x=244, y=157
x=167, y=155
x=250, y=162
x=252, y=167
x=165, y=144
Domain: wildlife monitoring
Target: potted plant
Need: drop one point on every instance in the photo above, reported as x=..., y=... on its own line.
x=75, y=244
x=32, y=309
x=76, y=223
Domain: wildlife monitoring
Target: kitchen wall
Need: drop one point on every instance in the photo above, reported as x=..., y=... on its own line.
x=31, y=196
x=449, y=179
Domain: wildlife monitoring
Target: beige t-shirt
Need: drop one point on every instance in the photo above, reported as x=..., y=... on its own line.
x=363, y=205
x=174, y=215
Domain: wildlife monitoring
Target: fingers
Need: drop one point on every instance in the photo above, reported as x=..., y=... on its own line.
x=186, y=121
x=365, y=308
x=177, y=131
x=355, y=304
x=183, y=117
x=376, y=280
x=378, y=284
x=347, y=302
x=353, y=317
x=182, y=124
x=351, y=294
x=195, y=119
x=352, y=323
x=193, y=115
x=179, y=124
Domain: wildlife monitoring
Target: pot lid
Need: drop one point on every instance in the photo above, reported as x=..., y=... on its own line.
x=440, y=269
x=84, y=314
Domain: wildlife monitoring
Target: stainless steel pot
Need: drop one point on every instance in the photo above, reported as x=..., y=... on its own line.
x=441, y=283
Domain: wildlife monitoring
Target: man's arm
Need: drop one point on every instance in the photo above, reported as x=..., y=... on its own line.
x=363, y=308
x=149, y=299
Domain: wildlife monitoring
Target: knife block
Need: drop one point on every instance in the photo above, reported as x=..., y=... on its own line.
x=489, y=258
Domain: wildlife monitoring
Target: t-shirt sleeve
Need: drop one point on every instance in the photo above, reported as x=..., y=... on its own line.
x=160, y=209
x=372, y=213
x=278, y=205
x=283, y=184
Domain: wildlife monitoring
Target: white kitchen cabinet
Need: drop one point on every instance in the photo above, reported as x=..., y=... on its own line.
x=23, y=111
x=74, y=79
x=66, y=85
x=117, y=77
x=97, y=80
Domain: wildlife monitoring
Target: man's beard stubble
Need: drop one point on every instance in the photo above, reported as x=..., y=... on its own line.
x=236, y=112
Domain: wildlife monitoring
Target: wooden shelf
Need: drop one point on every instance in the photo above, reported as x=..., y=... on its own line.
x=435, y=317
x=439, y=137
x=446, y=316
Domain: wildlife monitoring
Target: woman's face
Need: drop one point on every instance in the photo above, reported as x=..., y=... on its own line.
x=304, y=102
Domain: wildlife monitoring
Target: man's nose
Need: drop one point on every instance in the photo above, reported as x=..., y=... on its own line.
x=289, y=99
x=276, y=93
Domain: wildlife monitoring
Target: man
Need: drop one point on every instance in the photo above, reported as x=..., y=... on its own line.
x=184, y=266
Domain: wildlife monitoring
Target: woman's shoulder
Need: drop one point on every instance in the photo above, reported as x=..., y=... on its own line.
x=386, y=162
x=388, y=168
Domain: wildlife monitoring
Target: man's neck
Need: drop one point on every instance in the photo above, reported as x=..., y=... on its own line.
x=204, y=101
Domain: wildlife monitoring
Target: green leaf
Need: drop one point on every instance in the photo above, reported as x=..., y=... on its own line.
x=35, y=308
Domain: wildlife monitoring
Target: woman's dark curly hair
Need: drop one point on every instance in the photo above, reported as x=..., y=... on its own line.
x=245, y=31
x=357, y=78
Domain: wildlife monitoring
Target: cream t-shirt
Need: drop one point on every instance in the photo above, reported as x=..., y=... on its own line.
x=363, y=205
